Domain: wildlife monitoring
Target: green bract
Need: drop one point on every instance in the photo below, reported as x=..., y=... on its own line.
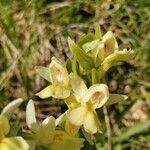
x=85, y=61
x=112, y=59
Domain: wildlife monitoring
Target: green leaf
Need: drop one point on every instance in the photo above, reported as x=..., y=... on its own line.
x=4, y=126
x=94, y=76
x=112, y=59
x=30, y=114
x=115, y=98
x=11, y=107
x=69, y=65
x=86, y=38
x=98, y=34
x=71, y=101
x=117, y=56
x=90, y=45
x=117, y=147
x=44, y=72
x=14, y=130
x=75, y=66
x=138, y=128
x=45, y=93
x=84, y=60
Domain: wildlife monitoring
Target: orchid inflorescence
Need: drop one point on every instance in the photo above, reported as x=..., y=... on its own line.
x=81, y=84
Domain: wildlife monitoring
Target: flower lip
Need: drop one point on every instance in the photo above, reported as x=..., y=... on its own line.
x=97, y=95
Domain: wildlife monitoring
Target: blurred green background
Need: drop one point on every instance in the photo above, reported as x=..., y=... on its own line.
x=32, y=31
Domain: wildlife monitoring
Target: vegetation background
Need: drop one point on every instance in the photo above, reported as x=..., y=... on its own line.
x=32, y=31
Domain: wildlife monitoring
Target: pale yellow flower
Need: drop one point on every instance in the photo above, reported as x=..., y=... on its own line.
x=88, y=100
x=57, y=74
x=45, y=133
x=63, y=122
x=85, y=101
x=107, y=46
x=7, y=142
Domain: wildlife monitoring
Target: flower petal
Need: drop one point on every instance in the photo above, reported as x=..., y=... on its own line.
x=49, y=124
x=47, y=129
x=72, y=101
x=4, y=126
x=110, y=43
x=54, y=91
x=58, y=73
x=115, y=98
x=30, y=114
x=43, y=72
x=11, y=107
x=91, y=123
x=84, y=60
x=78, y=85
x=97, y=94
x=98, y=33
x=45, y=93
x=60, y=121
x=71, y=129
x=14, y=143
x=65, y=142
x=64, y=123
x=89, y=46
x=76, y=116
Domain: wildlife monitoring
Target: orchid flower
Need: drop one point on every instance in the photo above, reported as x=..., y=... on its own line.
x=45, y=133
x=63, y=122
x=87, y=101
x=8, y=142
x=56, y=74
x=107, y=46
